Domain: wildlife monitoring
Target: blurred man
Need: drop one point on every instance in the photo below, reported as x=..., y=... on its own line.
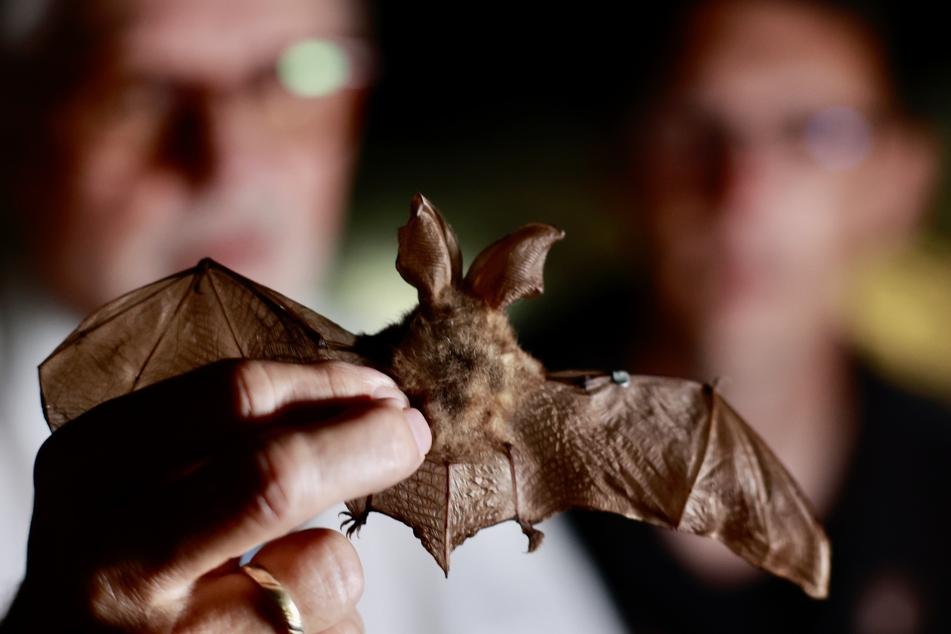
x=170, y=144
x=140, y=137
x=776, y=155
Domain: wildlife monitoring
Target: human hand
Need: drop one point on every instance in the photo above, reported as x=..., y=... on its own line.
x=144, y=504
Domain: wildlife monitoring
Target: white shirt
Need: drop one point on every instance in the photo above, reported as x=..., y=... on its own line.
x=30, y=328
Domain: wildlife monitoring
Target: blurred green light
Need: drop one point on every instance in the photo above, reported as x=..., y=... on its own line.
x=313, y=68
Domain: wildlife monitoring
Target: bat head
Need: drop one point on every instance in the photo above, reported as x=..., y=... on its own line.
x=508, y=269
x=458, y=357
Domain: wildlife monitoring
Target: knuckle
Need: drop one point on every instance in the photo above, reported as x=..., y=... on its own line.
x=338, y=375
x=333, y=379
x=254, y=390
x=344, y=379
x=343, y=586
x=47, y=460
x=278, y=473
x=129, y=597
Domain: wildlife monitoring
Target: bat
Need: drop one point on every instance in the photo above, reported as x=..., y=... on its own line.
x=511, y=441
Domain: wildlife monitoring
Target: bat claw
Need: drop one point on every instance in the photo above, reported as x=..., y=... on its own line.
x=355, y=521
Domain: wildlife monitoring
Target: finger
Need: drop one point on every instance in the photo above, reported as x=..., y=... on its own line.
x=227, y=392
x=165, y=427
x=324, y=570
x=352, y=624
x=263, y=388
x=320, y=571
x=262, y=492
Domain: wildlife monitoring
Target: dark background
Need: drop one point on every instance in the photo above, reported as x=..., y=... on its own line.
x=471, y=96
x=504, y=113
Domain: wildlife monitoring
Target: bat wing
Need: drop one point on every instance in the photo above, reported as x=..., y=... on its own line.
x=446, y=503
x=175, y=325
x=669, y=452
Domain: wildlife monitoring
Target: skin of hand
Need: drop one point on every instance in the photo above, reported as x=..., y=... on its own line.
x=145, y=504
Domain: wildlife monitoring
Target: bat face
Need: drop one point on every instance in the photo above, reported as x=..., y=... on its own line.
x=510, y=440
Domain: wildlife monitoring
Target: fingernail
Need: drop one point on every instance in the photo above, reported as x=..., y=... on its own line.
x=374, y=377
x=421, y=431
x=389, y=393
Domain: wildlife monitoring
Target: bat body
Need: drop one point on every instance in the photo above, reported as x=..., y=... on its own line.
x=511, y=441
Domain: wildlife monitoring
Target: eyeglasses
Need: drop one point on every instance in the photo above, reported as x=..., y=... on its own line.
x=288, y=93
x=834, y=139
x=315, y=67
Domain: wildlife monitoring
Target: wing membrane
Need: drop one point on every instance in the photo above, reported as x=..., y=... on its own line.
x=175, y=325
x=445, y=504
x=672, y=453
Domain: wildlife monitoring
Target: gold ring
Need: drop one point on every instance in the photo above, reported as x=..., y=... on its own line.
x=276, y=591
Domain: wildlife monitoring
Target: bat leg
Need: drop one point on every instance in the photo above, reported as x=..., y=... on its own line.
x=357, y=513
x=534, y=535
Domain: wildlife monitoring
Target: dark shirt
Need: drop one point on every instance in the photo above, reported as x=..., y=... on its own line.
x=891, y=552
x=890, y=532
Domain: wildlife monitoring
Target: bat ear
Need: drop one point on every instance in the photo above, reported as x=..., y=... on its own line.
x=511, y=268
x=429, y=256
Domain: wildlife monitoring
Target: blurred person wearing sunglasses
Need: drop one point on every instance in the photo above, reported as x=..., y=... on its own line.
x=138, y=138
x=775, y=155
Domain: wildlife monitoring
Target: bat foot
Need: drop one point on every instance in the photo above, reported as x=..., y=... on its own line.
x=534, y=535
x=354, y=520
